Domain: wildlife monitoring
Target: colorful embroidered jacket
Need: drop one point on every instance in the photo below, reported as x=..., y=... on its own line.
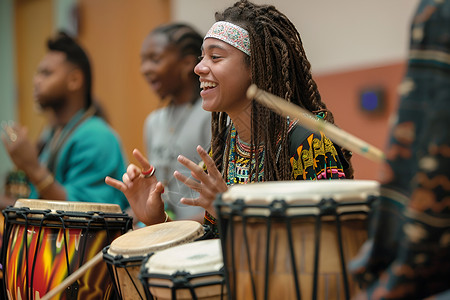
x=314, y=157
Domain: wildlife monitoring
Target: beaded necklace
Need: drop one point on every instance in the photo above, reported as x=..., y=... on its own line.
x=239, y=163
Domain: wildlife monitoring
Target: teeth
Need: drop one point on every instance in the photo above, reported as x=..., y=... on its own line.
x=206, y=84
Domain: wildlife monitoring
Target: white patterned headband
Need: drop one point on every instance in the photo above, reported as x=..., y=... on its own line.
x=231, y=34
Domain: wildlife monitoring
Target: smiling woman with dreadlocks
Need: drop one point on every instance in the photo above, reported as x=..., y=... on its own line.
x=249, y=44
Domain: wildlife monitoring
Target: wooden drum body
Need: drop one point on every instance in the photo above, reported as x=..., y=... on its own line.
x=126, y=253
x=190, y=271
x=46, y=241
x=292, y=240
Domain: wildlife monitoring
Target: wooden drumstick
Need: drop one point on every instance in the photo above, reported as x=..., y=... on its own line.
x=74, y=276
x=310, y=121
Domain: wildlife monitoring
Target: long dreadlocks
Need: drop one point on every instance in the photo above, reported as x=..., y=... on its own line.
x=279, y=65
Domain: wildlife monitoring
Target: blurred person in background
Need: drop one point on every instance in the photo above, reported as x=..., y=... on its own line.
x=407, y=255
x=168, y=56
x=79, y=148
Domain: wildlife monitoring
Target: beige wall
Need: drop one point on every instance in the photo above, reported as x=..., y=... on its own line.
x=337, y=35
x=112, y=32
x=33, y=24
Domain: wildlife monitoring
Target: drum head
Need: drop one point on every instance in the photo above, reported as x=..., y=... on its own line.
x=194, y=258
x=301, y=197
x=312, y=191
x=38, y=204
x=156, y=237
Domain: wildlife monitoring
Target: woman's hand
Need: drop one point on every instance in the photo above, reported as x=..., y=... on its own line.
x=143, y=193
x=208, y=185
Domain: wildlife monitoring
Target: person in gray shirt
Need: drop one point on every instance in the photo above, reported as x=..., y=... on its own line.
x=168, y=57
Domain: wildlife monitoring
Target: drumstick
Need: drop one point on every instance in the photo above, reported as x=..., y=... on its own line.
x=74, y=276
x=310, y=121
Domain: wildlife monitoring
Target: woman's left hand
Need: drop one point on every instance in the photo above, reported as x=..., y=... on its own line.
x=208, y=185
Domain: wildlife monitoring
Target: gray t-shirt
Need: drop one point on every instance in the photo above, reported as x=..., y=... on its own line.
x=169, y=132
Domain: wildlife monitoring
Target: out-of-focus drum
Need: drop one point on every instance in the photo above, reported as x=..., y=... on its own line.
x=126, y=253
x=292, y=240
x=190, y=271
x=46, y=241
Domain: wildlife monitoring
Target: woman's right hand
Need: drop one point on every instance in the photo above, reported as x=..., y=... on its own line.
x=143, y=193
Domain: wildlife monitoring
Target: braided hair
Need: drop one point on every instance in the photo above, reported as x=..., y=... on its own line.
x=279, y=65
x=185, y=40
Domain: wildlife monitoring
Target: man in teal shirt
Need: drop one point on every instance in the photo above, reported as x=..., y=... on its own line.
x=79, y=149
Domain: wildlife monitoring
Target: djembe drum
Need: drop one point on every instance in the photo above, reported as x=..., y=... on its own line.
x=189, y=271
x=292, y=240
x=46, y=241
x=126, y=253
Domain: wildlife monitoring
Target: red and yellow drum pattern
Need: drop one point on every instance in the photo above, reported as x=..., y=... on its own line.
x=47, y=256
x=46, y=241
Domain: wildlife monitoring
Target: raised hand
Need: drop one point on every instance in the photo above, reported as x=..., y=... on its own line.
x=142, y=190
x=208, y=185
x=22, y=152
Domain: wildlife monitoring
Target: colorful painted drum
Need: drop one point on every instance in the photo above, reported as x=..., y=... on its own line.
x=126, y=253
x=46, y=241
x=293, y=239
x=190, y=271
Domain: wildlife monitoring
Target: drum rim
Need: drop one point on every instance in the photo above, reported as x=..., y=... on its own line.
x=121, y=245
x=75, y=206
x=302, y=191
